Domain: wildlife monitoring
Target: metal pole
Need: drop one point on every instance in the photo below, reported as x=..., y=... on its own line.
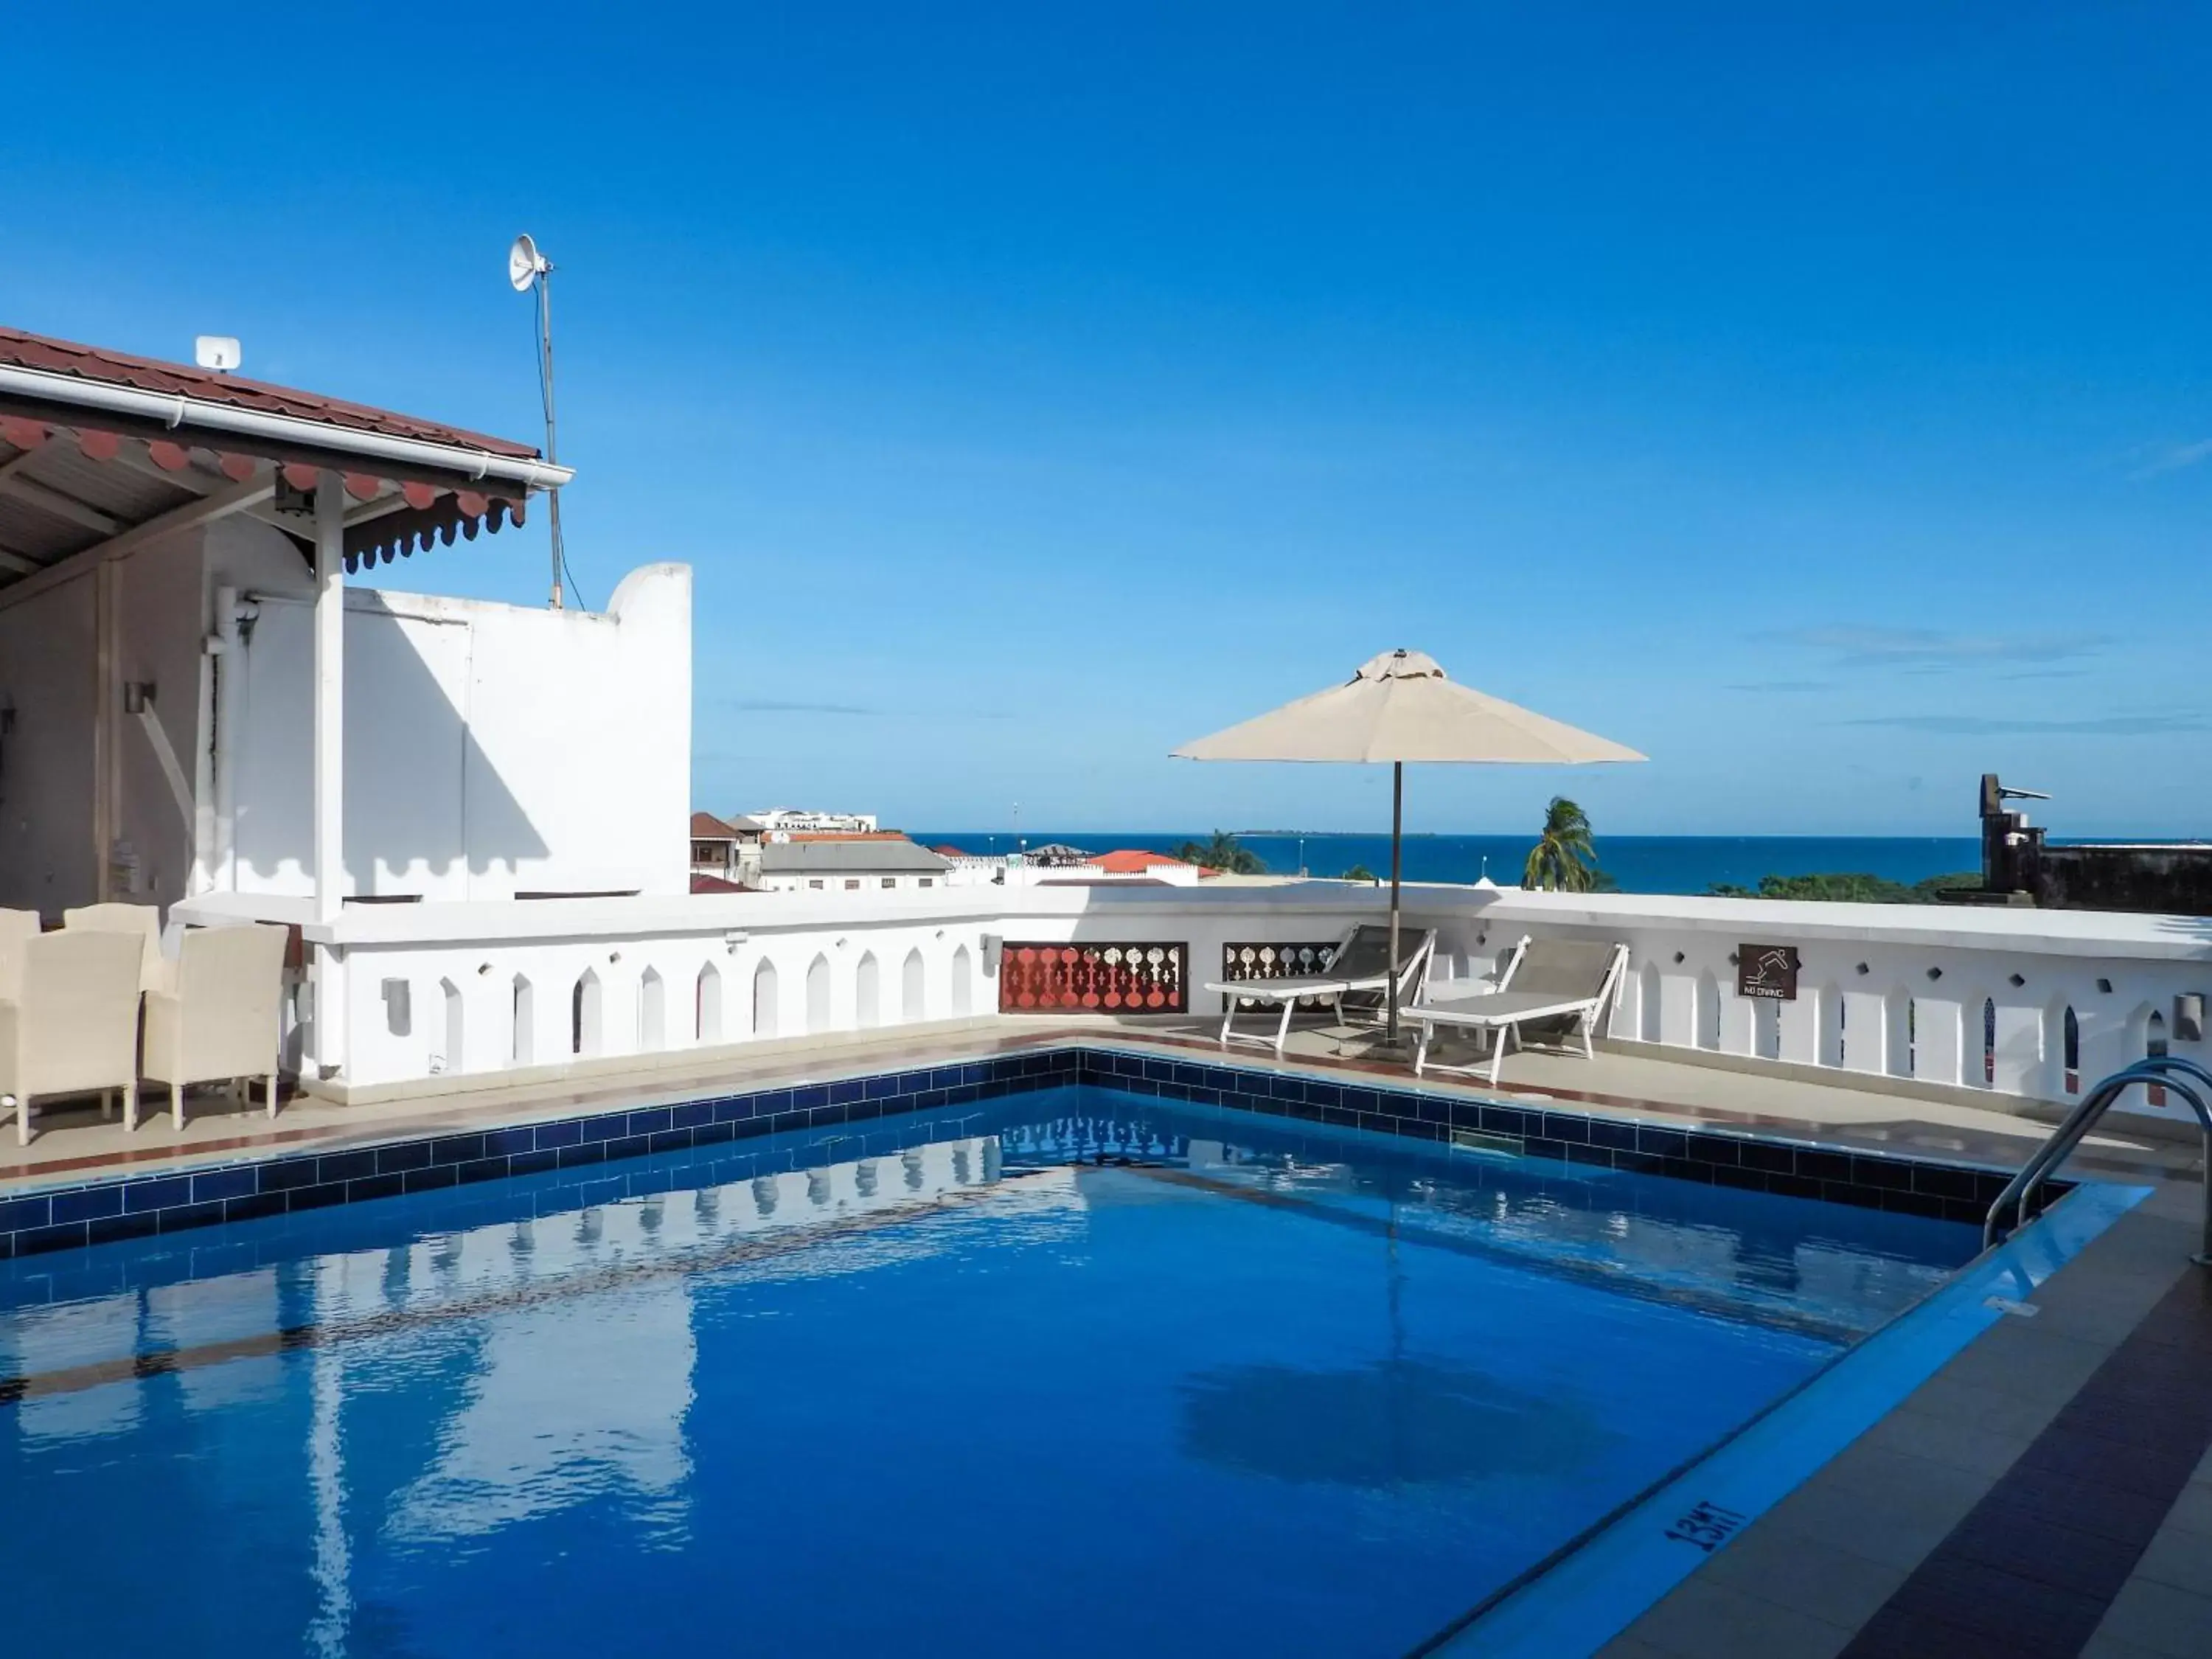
x=1397, y=831
x=552, y=453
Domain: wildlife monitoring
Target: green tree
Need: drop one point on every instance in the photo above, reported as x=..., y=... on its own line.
x=1223, y=853
x=1563, y=860
x=1850, y=888
x=1361, y=872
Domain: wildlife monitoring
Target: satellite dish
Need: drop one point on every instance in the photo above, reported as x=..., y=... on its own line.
x=525, y=264
x=216, y=351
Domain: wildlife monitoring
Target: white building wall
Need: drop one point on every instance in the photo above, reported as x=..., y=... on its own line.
x=490, y=750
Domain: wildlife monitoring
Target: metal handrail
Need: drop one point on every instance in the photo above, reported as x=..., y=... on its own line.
x=2153, y=1070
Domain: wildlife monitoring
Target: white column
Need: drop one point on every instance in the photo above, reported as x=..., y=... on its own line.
x=328, y=1028
x=330, y=695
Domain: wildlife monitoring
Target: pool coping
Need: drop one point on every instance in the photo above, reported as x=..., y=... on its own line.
x=74, y=1214
x=1597, y=1584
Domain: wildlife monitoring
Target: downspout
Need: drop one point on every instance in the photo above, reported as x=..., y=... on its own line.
x=207, y=815
x=232, y=621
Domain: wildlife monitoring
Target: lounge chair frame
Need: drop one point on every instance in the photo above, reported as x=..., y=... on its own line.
x=1511, y=1011
x=1413, y=979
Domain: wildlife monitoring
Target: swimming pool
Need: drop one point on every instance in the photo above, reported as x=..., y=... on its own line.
x=1074, y=1371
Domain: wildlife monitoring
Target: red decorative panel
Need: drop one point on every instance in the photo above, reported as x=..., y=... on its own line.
x=1133, y=979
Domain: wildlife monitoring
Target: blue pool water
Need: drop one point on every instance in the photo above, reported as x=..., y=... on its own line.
x=1074, y=1374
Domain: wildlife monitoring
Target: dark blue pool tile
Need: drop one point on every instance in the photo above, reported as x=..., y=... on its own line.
x=457, y=1149
x=345, y=1166
x=179, y=1217
x=85, y=1204
x=531, y=1162
x=1762, y=1155
x=1817, y=1166
x=1667, y=1143
x=252, y=1207
x=650, y=1121
x=628, y=1147
x=505, y=1143
x=1506, y=1121
x=566, y=1133
x=691, y=1115
x=1544, y=1147
x=1738, y=1174
x=710, y=1134
x=319, y=1196
x=1581, y=1152
x=1565, y=1125
x=590, y=1151
x=1687, y=1169
x=811, y=1098
x=376, y=1186
x=221, y=1184
x=108, y=1228
x=1944, y=1183
x=157, y=1195
x=602, y=1126
x=1714, y=1149
x=668, y=1140
x=1612, y=1135
x=20, y=1214
x=408, y=1155
x=480, y=1169
x=1793, y=1186
x=1925, y=1204
x=1884, y=1172
x=285, y=1173
x=431, y=1179
x=37, y=1241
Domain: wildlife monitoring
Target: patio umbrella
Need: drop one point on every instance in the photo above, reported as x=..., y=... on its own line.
x=1399, y=707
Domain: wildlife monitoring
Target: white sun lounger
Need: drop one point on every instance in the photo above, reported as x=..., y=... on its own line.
x=1361, y=967
x=1547, y=979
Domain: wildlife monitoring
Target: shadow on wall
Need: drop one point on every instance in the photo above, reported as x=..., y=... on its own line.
x=426, y=810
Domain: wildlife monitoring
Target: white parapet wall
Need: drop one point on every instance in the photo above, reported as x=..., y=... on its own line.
x=1912, y=997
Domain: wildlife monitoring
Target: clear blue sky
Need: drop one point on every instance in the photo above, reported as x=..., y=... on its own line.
x=1819, y=400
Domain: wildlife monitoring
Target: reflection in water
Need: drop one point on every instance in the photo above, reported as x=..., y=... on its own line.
x=540, y=1417
x=1393, y=1423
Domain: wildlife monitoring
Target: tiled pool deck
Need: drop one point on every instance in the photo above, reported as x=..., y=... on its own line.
x=2048, y=1491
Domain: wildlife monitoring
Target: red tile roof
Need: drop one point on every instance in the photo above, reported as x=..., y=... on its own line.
x=21, y=351
x=1131, y=861
x=715, y=884
x=705, y=826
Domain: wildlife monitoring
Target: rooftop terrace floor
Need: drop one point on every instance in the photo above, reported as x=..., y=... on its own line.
x=2048, y=1491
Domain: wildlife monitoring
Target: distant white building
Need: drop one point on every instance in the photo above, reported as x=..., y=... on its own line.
x=1055, y=865
x=791, y=820
x=841, y=864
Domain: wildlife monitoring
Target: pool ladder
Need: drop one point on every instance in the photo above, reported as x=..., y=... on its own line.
x=2156, y=1070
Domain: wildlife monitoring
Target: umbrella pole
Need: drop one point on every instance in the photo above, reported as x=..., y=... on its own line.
x=1397, y=841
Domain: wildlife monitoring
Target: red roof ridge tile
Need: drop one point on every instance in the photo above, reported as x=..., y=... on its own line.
x=20, y=349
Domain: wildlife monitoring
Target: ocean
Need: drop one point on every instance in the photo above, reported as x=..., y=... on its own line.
x=1640, y=864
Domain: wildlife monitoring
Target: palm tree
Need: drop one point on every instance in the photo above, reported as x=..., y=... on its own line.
x=1223, y=853
x=1563, y=860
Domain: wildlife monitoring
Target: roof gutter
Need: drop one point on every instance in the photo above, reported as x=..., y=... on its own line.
x=174, y=410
